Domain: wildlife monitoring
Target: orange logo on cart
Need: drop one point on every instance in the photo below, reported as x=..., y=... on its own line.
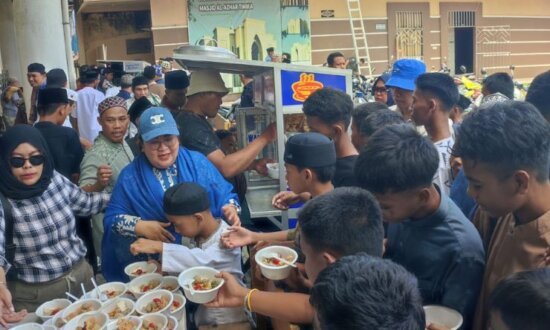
x=303, y=88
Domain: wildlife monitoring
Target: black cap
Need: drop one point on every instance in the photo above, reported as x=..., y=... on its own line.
x=176, y=80
x=139, y=80
x=137, y=108
x=36, y=67
x=52, y=95
x=310, y=150
x=56, y=78
x=89, y=76
x=464, y=102
x=149, y=72
x=185, y=199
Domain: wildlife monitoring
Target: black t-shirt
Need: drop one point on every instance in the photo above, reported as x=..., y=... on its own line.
x=65, y=147
x=247, y=96
x=196, y=133
x=344, y=175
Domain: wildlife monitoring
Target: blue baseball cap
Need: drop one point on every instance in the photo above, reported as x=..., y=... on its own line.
x=157, y=121
x=404, y=73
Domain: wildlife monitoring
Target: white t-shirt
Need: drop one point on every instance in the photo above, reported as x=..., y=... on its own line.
x=443, y=176
x=210, y=253
x=86, y=112
x=112, y=91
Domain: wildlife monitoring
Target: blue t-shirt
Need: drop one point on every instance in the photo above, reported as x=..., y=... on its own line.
x=459, y=195
x=444, y=251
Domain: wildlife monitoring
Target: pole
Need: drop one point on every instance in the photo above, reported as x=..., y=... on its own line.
x=71, y=75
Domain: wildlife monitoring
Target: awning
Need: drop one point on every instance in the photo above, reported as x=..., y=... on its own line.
x=106, y=6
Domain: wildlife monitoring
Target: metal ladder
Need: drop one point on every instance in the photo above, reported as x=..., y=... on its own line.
x=358, y=34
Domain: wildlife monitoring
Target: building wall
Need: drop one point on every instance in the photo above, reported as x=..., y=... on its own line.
x=111, y=31
x=528, y=43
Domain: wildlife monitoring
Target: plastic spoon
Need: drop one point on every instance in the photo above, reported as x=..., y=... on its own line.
x=71, y=296
x=190, y=285
x=274, y=255
x=102, y=296
x=84, y=295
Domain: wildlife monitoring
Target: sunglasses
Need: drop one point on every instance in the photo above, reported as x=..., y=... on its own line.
x=17, y=162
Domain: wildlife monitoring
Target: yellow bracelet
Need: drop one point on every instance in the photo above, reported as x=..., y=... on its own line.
x=248, y=299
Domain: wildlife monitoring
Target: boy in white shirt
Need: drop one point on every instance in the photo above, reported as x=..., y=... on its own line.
x=188, y=209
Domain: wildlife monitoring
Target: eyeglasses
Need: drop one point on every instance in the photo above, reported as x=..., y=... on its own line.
x=380, y=90
x=18, y=162
x=168, y=141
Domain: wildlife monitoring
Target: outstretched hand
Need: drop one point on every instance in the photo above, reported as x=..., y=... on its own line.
x=231, y=294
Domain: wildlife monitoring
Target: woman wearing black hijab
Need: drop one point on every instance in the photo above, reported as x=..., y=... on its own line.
x=49, y=257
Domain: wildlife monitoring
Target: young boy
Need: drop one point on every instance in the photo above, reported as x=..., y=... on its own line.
x=340, y=223
x=376, y=121
x=522, y=301
x=362, y=292
x=187, y=207
x=504, y=148
x=64, y=143
x=309, y=163
x=427, y=232
x=359, y=114
x=328, y=111
x=433, y=99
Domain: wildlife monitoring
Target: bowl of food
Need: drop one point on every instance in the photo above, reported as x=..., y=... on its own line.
x=200, y=284
x=170, y=283
x=178, y=306
x=159, y=301
x=272, y=263
x=50, y=308
x=126, y=323
x=88, y=321
x=145, y=283
x=118, y=308
x=273, y=170
x=28, y=326
x=140, y=268
x=155, y=321
x=443, y=316
x=172, y=323
x=111, y=290
x=80, y=307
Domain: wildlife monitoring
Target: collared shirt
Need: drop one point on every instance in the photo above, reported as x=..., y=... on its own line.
x=86, y=112
x=444, y=251
x=512, y=248
x=45, y=232
x=104, y=152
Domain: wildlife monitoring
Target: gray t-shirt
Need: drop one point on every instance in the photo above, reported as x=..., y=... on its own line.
x=196, y=133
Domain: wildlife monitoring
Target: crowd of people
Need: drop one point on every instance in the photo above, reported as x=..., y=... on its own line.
x=423, y=197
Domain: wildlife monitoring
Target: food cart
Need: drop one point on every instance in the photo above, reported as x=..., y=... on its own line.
x=279, y=92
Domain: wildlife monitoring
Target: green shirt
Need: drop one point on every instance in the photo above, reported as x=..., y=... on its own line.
x=104, y=152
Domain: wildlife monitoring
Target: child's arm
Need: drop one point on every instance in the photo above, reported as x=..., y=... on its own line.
x=291, y=307
x=240, y=236
x=176, y=257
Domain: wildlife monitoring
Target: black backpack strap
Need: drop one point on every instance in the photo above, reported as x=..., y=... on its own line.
x=9, y=245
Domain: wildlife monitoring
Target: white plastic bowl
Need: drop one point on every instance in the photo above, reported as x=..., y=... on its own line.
x=171, y=281
x=147, y=267
x=199, y=297
x=273, y=170
x=110, y=286
x=28, y=326
x=49, y=305
x=148, y=298
x=79, y=321
x=159, y=319
x=178, y=313
x=96, y=305
x=275, y=273
x=172, y=323
x=444, y=316
x=134, y=319
x=111, y=305
x=48, y=327
x=133, y=286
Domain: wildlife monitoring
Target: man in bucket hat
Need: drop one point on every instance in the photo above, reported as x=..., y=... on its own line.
x=204, y=98
x=403, y=75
